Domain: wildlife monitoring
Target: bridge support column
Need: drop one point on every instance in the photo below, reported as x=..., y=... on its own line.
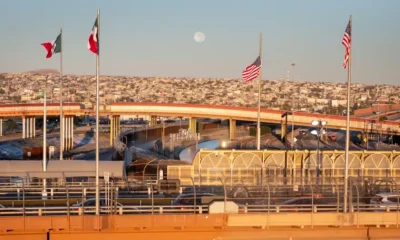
x=1, y=127
x=153, y=120
x=23, y=126
x=283, y=129
x=111, y=131
x=232, y=129
x=193, y=125
x=114, y=128
x=32, y=127
x=28, y=127
x=68, y=132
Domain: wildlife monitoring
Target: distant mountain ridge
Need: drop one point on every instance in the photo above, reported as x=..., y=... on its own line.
x=44, y=71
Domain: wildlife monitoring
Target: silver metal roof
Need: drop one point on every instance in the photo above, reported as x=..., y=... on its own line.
x=59, y=169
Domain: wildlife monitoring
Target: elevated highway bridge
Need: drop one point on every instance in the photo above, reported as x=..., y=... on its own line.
x=29, y=113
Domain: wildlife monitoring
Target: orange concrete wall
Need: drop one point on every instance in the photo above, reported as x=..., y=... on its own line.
x=220, y=234
x=199, y=227
x=380, y=108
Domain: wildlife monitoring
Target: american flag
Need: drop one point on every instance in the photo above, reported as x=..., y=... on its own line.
x=347, y=43
x=251, y=72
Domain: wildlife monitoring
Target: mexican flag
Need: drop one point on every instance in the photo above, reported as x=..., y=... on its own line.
x=53, y=46
x=93, y=44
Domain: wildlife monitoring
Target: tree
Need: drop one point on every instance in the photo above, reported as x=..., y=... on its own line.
x=2, y=91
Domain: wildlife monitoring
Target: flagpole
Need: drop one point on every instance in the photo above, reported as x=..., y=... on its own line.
x=259, y=98
x=346, y=172
x=97, y=114
x=44, y=167
x=61, y=104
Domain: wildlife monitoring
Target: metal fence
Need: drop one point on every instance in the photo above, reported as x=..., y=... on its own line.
x=268, y=195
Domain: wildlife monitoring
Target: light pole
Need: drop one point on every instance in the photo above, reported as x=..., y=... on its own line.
x=293, y=94
x=320, y=124
x=285, y=115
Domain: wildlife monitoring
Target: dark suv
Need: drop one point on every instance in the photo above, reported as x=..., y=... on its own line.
x=188, y=198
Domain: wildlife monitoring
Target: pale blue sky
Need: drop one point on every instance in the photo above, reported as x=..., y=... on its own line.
x=155, y=37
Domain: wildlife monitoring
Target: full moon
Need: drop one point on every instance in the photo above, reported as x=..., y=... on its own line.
x=199, y=37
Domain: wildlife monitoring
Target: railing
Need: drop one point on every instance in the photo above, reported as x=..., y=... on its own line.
x=266, y=196
x=188, y=209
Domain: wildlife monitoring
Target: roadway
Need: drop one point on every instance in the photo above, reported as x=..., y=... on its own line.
x=189, y=110
x=306, y=140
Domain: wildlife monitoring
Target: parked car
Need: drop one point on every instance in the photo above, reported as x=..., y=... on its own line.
x=188, y=198
x=382, y=201
x=305, y=204
x=332, y=137
x=90, y=204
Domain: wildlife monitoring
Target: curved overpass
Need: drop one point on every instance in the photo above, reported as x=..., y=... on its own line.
x=242, y=113
x=194, y=111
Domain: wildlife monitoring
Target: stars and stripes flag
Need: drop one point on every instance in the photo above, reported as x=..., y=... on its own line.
x=252, y=71
x=347, y=44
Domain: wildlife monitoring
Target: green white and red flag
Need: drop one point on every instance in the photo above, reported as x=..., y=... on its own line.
x=93, y=43
x=53, y=46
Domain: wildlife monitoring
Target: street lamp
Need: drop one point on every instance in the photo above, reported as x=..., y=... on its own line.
x=320, y=124
x=223, y=144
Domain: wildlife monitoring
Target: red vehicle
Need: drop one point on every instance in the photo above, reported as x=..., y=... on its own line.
x=332, y=137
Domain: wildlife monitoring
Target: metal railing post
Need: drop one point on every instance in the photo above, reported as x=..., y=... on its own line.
x=269, y=203
x=68, y=209
x=337, y=196
x=83, y=203
x=398, y=199
x=23, y=201
x=152, y=205
x=194, y=195
x=312, y=206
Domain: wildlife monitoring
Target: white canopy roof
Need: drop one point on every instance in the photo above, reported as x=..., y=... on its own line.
x=59, y=169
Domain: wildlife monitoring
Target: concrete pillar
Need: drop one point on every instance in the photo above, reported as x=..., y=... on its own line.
x=118, y=125
x=153, y=120
x=193, y=125
x=69, y=133
x=27, y=130
x=23, y=127
x=115, y=128
x=1, y=127
x=66, y=133
x=72, y=132
x=28, y=127
x=64, y=124
x=232, y=129
x=283, y=129
x=111, y=131
x=34, y=127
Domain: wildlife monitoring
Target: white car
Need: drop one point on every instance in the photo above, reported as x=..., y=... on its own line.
x=382, y=201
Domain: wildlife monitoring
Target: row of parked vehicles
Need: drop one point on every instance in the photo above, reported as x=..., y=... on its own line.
x=381, y=195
